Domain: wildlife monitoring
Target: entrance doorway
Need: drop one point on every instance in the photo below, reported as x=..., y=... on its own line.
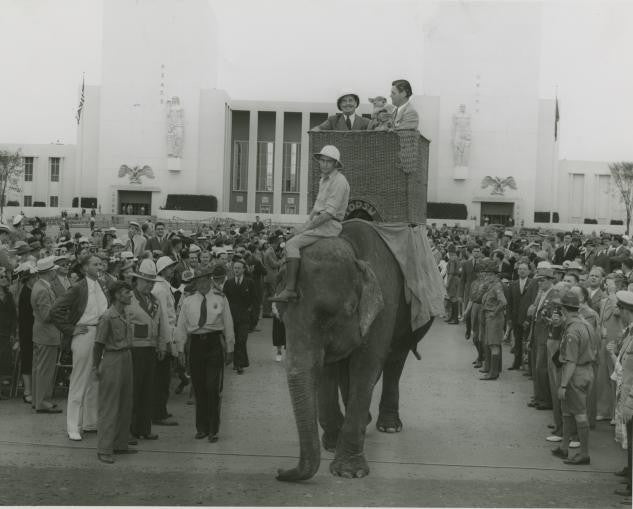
x=496, y=212
x=138, y=203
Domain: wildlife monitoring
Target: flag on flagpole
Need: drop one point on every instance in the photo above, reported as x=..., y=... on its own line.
x=556, y=119
x=81, y=101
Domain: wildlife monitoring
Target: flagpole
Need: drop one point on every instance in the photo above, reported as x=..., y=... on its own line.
x=554, y=187
x=81, y=141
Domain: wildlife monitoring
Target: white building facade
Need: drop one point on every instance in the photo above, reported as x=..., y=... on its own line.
x=158, y=126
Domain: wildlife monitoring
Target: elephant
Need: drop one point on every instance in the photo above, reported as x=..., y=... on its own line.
x=350, y=324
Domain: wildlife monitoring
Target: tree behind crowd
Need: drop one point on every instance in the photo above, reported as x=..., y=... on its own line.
x=622, y=174
x=11, y=170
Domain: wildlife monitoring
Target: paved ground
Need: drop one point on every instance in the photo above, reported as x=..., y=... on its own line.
x=465, y=443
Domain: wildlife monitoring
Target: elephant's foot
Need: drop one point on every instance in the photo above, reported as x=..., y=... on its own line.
x=300, y=473
x=329, y=440
x=389, y=423
x=350, y=466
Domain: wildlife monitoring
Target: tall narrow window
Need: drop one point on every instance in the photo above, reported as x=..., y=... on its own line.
x=265, y=165
x=28, y=201
x=54, y=201
x=291, y=162
x=239, y=178
x=28, y=169
x=54, y=163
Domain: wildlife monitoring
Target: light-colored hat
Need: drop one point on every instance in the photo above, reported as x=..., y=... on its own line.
x=26, y=268
x=17, y=219
x=112, y=229
x=46, y=264
x=625, y=299
x=62, y=258
x=4, y=228
x=127, y=255
x=147, y=270
x=575, y=266
x=134, y=223
x=345, y=94
x=545, y=273
x=544, y=265
x=194, y=249
x=84, y=240
x=117, y=242
x=163, y=262
x=332, y=152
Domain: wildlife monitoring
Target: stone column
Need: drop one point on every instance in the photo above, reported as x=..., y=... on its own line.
x=278, y=161
x=305, y=163
x=252, y=161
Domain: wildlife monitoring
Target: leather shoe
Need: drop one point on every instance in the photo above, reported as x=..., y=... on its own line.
x=577, y=460
x=532, y=404
x=543, y=407
x=467, y=335
x=513, y=368
x=151, y=436
x=213, y=438
x=622, y=473
x=105, y=458
x=560, y=453
x=625, y=492
x=240, y=371
x=165, y=422
x=49, y=411
x=132, y=441
x=200, y=435
x=125, y=451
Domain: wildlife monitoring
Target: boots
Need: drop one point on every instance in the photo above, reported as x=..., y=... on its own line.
x=487, y=366
x=495, y=363
x=290, y=292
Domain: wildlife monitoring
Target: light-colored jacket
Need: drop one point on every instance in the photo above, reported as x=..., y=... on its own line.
x=406, y=118
x=165, y=297
x=42, y=300
x=145, y=323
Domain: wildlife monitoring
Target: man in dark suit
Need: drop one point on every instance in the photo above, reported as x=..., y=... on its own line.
x=258, y=226
x=240, y=292
x=617, y=252
x=468, y=275
x=521, y=296
x=347, y=120
x=158, y=242
x=565, y=252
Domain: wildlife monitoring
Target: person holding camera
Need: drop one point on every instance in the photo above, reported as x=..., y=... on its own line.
x=576, y=356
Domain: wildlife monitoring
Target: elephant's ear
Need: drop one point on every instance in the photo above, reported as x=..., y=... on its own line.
x=371, y=302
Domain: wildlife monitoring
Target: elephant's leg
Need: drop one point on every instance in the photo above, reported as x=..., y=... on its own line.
x=389, y=418
x=350, y=460
x=330, y=416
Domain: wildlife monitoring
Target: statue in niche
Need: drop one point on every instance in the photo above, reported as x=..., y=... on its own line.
x=461, y=137
x=175, y=127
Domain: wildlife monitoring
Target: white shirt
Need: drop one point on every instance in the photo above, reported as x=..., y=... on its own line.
x=522, y=283
x=97, y=304
x=399, y=109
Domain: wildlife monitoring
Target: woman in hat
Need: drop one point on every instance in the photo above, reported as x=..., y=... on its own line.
x=27, y=274
x=347, y=119
x=8, y=322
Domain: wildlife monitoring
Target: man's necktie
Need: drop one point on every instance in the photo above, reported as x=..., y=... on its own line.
x=348, y=122
x=203, y=312
x=395, y=114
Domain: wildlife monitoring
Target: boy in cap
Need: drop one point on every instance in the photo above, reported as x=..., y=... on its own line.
x=325, y=219
x=112, y=366
x=576, y=355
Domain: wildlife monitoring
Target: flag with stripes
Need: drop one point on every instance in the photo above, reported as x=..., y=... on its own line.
x=81, y=101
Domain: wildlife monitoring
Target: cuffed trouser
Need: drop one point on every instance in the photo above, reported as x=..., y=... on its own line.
x=540, y=376
x=144, y=367
x=83, y=391
x=115, y=401
x=605, y=387
x=43, y=381
x=267, y=306
x=518, y=332
x=207, y=376
x=554, y=375
x=592, y=398
x=240, y=358
x=330, y=228
x=162, y=380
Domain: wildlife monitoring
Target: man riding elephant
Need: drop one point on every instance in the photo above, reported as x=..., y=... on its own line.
x=325, y=219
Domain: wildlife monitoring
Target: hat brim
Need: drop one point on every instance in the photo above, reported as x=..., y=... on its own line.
x=318, y=156
x=173, y=262
x=44, y=271
x=146, y=277
x=338, y=101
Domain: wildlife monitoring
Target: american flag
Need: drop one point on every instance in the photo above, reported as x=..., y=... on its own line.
x=81, y=101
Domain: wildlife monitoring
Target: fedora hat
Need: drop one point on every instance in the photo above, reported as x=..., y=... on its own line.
x=17, y=219
x=46, y=264
x=26, y=269
x=544, y=273
x=23, y=248
x=163, y=262
x=625, y=299
x=147, y=270
x=4, y=228
x=329, y=151
x=345, y=94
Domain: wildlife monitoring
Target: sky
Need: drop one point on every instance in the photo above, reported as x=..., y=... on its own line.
x=299, y=50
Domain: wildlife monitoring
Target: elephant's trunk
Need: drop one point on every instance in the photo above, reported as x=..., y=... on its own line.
x=303, y=384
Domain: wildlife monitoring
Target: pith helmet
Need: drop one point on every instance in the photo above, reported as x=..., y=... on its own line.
x=332, y=152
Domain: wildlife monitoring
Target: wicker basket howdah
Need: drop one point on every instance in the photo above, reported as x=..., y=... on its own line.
x=387, y=173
